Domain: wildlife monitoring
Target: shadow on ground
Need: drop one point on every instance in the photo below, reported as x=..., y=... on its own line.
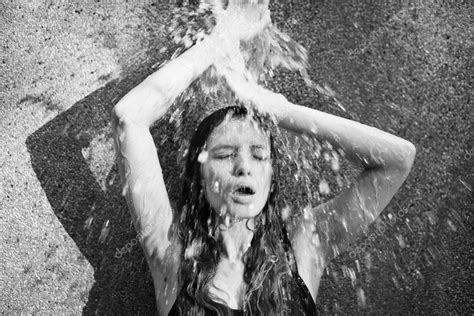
x=390, y=83
x=95, y=215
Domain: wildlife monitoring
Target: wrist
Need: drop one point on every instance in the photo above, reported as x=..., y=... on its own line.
x=222, y=44
x=277, y=105
x=197, y=59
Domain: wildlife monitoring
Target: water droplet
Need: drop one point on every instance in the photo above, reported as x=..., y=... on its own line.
x=193, y=250
x=125, y=188
x=222, y=212
x=216, y=187
x=324, y=187
x=335, y=163
x=357, y=265
x=285, y=213
x=88, y=222
x=326, y=156
x=202, y=158
x=361, y=297
x=395, y=281
x=401, y=241
x=104, y=232
x=340, y=182
x=344, y=223
x=433, y=219
x=451, y=225
x=163, y=50
x=111, y=180
x=315, y=240
x=307, y=214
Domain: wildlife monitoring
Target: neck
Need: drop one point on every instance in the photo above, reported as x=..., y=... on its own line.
x=236, y=238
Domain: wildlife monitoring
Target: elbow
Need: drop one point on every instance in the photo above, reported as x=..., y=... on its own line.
x=118, y=113
x=127, y=109
x=122, y=111
x=143, y=105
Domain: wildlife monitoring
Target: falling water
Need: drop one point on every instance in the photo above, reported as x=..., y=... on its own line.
x=315, y=167
x=313, y=171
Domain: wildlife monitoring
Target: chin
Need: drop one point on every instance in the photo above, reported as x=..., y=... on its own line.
x=245, y=210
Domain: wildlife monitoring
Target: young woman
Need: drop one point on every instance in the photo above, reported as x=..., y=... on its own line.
x=225, y=249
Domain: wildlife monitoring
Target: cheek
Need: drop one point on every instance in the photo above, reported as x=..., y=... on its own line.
x=267, y=174
x=265, y=180
x=213, y=177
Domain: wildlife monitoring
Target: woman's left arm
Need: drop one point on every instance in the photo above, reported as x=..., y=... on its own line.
x=387, y=160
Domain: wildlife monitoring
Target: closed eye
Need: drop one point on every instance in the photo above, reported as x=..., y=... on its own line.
x=224, y=155
x=259, y=157
x=259, y=153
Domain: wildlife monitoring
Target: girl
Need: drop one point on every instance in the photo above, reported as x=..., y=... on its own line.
x=225, y=249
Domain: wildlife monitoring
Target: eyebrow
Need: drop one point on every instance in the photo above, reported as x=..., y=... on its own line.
x=227, y=146
x=223, y=146
x=259, y=147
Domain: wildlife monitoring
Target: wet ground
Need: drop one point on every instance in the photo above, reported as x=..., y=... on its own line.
x=401, y=67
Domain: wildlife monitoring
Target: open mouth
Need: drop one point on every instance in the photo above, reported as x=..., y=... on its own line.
x=244, y=190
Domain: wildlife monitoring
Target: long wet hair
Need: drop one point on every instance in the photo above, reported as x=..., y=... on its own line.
x=269, y=261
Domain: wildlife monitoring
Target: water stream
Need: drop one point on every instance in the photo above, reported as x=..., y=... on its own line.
x=313, y=171
x=315, y=167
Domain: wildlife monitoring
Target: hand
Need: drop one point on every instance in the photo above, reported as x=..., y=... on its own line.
x=241, y=20
x=246, y=89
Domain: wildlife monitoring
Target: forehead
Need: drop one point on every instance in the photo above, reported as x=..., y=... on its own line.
x=238, y=132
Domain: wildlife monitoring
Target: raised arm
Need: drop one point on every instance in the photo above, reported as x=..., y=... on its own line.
x=142, y=106
x=387, y=159
x=140, y=170
x=139, y=166
x=138, y=161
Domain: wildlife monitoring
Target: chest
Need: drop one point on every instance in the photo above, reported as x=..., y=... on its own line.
x=228, y=284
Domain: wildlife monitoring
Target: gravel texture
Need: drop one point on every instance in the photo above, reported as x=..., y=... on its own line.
x=400, y=66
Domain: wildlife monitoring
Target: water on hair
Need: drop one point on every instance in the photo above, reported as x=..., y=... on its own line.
x=312, y=171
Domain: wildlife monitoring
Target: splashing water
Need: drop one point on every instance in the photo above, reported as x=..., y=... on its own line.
x=316, y=167
x=104, y=231
x=313, y=171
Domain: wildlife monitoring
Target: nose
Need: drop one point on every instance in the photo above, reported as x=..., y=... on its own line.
x=242, y=166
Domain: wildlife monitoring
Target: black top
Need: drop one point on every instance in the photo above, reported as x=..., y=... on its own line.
x=302, y=302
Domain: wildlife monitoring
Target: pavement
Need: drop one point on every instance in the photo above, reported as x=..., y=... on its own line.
x=67, y=245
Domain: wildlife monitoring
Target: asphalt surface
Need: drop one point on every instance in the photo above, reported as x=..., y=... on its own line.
x=401, y=67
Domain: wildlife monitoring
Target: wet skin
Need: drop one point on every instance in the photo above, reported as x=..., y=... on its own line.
x=236, y=168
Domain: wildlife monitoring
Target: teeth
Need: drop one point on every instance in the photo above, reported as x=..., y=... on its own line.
x=245, y=190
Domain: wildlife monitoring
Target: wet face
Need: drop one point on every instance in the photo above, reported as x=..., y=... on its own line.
x=236, y=168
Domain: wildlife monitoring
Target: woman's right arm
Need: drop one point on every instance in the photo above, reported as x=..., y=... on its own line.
x=140, y=169
x=134, y=114
x=139, y=166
